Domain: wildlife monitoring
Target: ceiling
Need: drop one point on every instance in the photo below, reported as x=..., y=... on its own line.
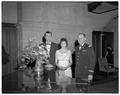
x=102, y=7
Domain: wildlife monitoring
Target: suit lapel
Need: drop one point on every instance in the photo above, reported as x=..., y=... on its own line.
x=77, y=49
x=83, y=47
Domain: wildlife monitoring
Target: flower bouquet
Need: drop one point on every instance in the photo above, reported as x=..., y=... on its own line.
x=34, y=56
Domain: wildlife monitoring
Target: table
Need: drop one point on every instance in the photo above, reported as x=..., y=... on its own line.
x=15, y=83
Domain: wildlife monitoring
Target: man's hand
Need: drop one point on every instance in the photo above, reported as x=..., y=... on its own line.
x=90, y=77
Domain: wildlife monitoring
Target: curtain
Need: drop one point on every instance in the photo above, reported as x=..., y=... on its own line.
x=9, y=42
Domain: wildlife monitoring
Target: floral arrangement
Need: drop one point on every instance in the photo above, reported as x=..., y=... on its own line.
x=33, y=52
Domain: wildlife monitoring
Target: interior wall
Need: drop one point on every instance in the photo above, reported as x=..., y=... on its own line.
x=9, y=12
x=62, y=18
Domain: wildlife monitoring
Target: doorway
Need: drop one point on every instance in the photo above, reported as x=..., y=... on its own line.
x=100, y=42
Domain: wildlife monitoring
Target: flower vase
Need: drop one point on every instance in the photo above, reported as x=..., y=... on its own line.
x=38, y=74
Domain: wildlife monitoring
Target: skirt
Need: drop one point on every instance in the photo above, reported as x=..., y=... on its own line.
x=63, y=77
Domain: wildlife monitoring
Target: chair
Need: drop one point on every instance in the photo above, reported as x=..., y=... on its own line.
x=104, y=66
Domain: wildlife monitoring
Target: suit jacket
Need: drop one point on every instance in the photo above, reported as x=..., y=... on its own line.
x=85, y=61
x=52, y=52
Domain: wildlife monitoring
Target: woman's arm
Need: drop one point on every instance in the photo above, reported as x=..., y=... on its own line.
x=56, y=58
x=70, y=60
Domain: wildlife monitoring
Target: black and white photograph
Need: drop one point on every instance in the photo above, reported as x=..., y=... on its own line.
x=59, y=47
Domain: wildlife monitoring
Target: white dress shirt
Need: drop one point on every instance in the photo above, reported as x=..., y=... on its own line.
x=48, y=46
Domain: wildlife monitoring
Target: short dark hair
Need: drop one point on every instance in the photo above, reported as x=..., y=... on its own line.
x=64, y=40
x=48, y=32
x=82, y=34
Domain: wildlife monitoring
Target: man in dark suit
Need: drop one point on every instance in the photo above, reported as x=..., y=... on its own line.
x=51, y=48
x=85, y=60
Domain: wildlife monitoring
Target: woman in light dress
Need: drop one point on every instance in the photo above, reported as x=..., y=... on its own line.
x=63, y=61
